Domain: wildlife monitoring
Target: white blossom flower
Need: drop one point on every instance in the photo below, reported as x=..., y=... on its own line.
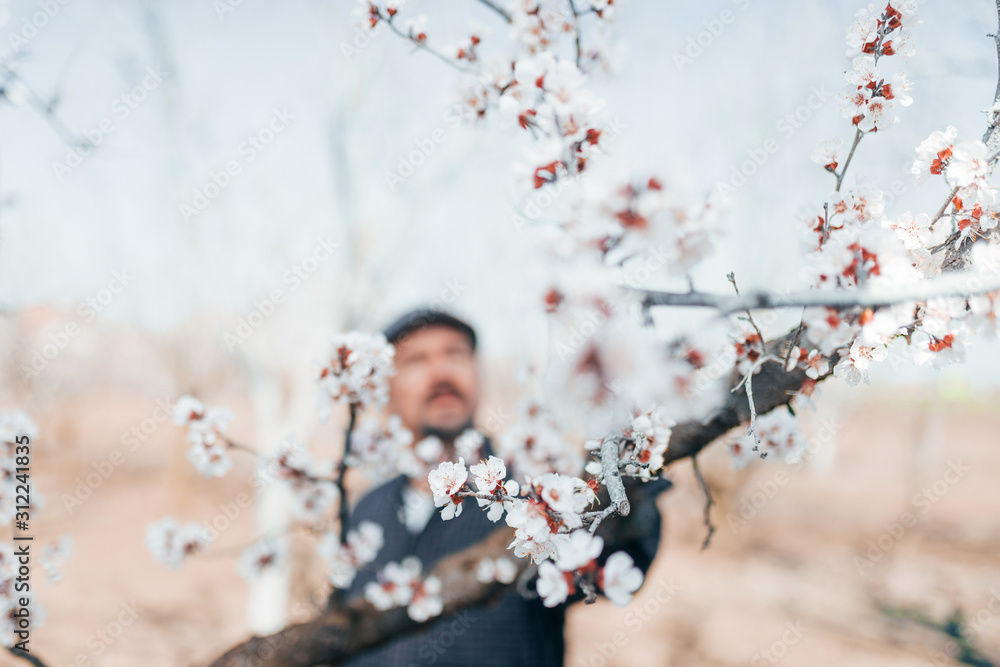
x=489, y=475
x=357, y=373
x=816, y=365
x=968, y=164
x=258, y=557
x=827, y=154
x=344, y=560
x=502, y=569
x=850, y=373
x=913, y=232
x=170, y=543
x=426, y=601
x=448, y=478
x=552, y=584
x=563, y=493
x=187, y=409
x=864, y=30
x=312, y=499
x=934, y=153
x=377, y=450
x=211, y=460
x=396, y=584
x=620, y=578
x=577, y=550
x=862, y=356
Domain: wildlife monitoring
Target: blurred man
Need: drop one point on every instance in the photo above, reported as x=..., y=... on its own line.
x=435, y=391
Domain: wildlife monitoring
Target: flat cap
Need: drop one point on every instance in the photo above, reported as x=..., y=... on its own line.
x=421, y=318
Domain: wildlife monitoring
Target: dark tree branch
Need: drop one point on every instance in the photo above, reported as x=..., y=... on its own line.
x=950, y=285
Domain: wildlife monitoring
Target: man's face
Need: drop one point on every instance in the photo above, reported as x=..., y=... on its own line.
x=436, y=385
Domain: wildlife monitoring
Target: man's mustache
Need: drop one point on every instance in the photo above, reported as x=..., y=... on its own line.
x=443, y=389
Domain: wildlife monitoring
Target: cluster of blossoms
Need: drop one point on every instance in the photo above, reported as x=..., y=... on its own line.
x=548, y=517
x=575, y=566
x=642, y=216
x=312, y=488
x=206, y=427
x=170, y=543
x=870, y=101
x=965, y=168
x=853, y=243
x=780, y=438
x=399, y=584
x=343, y=560
x=357, y=373
x=375, y=447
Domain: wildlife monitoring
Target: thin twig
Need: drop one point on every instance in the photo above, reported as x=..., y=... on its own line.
x=576, y=29
x=850, y=156
x=795, y=341
x=235, y=445
x=731, y=277
x=944, y=206
x=708, y=501
x=498, y=9
x=421, y=44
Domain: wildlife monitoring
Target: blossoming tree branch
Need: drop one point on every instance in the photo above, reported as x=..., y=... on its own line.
x=914, y=288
